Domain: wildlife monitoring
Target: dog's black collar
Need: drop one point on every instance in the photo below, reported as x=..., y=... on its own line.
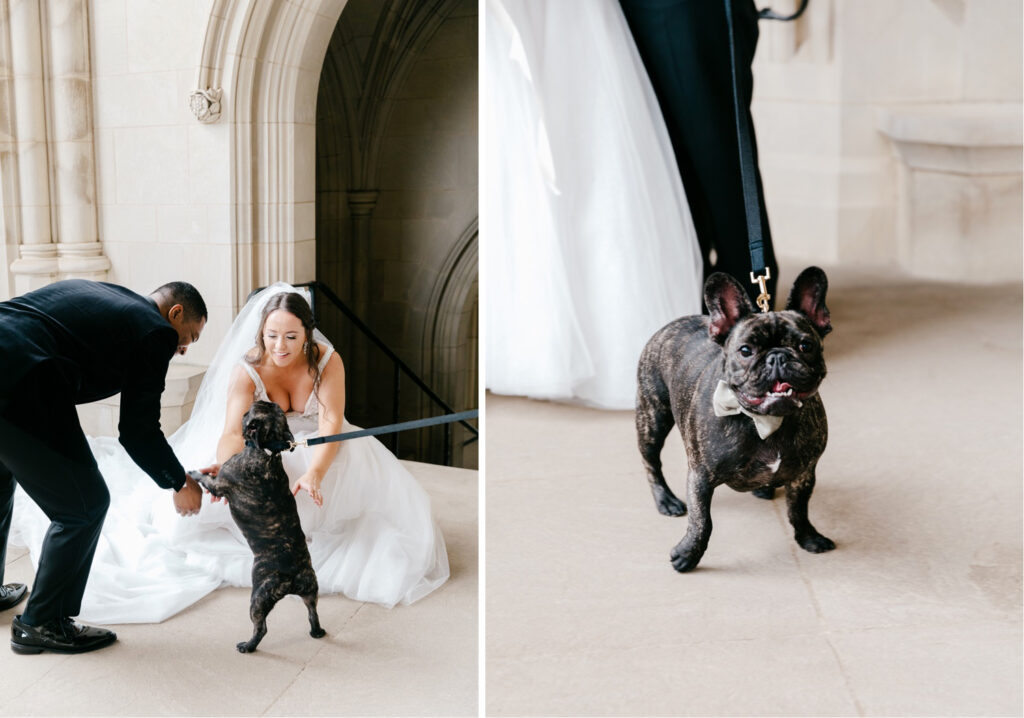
x=272, y=447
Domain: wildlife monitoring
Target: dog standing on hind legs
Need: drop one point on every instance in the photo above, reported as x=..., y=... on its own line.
x=256, y=488
x=743, y=388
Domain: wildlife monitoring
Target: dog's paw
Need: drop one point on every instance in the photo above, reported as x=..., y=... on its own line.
x=672, y=506
x=318, y=633
x=765, y=492
x=244, y=647
x=668, y=503
x=815, y=542
x=684, y=560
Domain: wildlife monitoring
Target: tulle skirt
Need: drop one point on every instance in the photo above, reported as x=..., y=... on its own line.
x=590, y=246
x=373, y=540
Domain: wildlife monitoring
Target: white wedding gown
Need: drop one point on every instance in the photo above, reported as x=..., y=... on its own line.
x=373, y=540
x=590, y=247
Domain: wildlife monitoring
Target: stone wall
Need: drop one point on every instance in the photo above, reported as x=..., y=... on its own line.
x=830, y=92
x=106, y=171
x=163, y=177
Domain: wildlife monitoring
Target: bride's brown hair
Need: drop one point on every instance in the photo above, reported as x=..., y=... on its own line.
x=296, y=305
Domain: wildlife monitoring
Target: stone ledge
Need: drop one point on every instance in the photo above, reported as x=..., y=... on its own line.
x=100, y=418
x=974, y=138
x=961, y=124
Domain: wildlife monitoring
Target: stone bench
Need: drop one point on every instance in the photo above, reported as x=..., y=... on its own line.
x=959, y=203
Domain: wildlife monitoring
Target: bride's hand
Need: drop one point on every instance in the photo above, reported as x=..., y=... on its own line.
x=213, y=471
x=311, y=483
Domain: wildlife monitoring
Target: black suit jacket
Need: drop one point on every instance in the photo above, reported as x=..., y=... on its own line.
x=103, y=339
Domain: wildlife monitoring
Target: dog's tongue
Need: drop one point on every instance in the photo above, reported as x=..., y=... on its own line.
x=781, y=386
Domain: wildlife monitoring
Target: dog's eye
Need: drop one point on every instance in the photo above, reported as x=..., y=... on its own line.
x=746, y=351
x=805, y=346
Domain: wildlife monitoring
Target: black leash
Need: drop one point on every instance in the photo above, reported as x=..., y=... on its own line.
x=390, y=428
x=759, y=270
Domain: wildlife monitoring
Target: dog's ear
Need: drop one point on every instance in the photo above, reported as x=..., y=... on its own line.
x=727, y=303
x=808, y=298
x=252, y=434
x=257, y=424
x=283, y=430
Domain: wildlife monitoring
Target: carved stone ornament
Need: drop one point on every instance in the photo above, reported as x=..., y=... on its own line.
x=205, y=104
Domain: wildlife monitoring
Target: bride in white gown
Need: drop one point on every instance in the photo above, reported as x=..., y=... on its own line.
x=372, y=539
x=590, y=246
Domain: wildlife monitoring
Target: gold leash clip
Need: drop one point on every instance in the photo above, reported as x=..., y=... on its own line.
x=764, y=298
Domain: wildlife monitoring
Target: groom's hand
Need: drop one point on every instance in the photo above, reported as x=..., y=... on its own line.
x=188, y=498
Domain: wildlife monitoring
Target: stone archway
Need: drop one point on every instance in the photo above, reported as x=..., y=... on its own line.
x=396, y=188
x=261, y=61
x=259, y=83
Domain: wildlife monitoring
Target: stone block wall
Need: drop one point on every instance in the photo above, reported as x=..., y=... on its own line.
x=837, y=186
x=163, y=178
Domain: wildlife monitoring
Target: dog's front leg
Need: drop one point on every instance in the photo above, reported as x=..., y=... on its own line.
x=798, y=494
x=214, y=484
x=687, y=553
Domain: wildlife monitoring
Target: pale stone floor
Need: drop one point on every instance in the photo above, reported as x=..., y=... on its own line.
x=917, y=611
x=409, y=660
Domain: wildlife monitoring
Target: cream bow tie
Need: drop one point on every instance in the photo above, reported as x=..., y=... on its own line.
x=726, y=404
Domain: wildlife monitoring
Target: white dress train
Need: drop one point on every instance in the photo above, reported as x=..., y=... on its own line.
x=590, y=245
x=373, y=540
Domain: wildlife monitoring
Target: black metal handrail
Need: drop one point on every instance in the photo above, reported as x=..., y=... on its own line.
x=400, y=366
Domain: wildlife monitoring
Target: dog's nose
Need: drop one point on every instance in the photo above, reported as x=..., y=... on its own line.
x=776, y=360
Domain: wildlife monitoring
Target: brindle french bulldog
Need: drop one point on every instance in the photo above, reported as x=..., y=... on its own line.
x=261, y=503
x=743, y=388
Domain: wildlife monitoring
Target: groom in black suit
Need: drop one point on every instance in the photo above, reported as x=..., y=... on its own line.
x=69, y=343
x=684, y=45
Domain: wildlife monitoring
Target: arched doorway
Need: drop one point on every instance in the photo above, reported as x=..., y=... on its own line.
x=265, y=60
x=352, y=133
x=396, y=190
x=450, y=347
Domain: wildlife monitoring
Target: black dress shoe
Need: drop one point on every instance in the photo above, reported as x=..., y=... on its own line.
x=11, y=595
x=61, y=635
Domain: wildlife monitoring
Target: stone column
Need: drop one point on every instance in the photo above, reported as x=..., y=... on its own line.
x=8, y=166
x=36, y=264
x=80, y=253
x=361, y=204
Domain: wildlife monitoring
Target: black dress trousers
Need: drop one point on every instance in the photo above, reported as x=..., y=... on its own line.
x=684, y=45
x=42, y=443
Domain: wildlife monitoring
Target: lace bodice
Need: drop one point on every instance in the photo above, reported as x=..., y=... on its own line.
x=312, y=408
